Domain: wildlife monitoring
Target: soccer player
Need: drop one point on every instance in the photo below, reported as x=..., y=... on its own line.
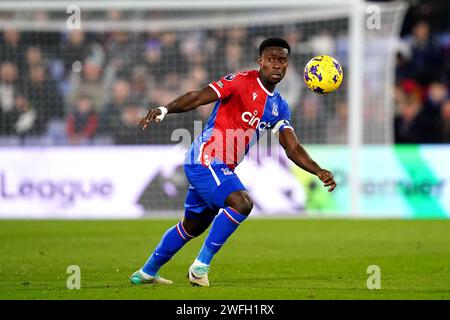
x=247, y=106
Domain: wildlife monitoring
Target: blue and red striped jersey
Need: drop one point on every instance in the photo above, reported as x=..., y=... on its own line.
x=244, y=112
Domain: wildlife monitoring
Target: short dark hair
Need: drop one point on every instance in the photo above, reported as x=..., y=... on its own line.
x=274, y=42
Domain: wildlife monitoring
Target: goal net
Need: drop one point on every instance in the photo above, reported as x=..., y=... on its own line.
x=124, y=59
x=69, y=79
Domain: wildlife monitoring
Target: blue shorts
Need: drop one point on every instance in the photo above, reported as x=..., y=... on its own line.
x=208, y=190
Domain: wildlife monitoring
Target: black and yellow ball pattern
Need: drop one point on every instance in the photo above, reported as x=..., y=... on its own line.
x=323, y=74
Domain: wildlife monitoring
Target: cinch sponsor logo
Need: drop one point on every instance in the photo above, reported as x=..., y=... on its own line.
x=64, y=192
x=254, y=121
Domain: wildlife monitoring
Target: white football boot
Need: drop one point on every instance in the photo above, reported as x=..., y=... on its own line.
x=198, y=274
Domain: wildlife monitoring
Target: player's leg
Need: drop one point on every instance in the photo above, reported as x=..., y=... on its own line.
x=238, y=207
x=230, y=195
x=175, y=238
x=172, y=241
x=195, y=227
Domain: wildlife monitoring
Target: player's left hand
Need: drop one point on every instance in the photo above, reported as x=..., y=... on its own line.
x=327, y=178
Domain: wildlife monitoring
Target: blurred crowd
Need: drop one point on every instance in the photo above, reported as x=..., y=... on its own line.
x=84, y=88
x=422, y=88
x=75, y=87
x=421, y=94
x=92, y=88
x=80, y=88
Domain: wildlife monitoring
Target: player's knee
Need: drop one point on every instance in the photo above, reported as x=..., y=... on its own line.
x=241, y=202
x=195, y=227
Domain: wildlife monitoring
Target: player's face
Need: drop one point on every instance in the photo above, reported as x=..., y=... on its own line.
x=273, y=64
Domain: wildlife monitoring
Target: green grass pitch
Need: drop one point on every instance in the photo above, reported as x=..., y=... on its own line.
x=265, y=259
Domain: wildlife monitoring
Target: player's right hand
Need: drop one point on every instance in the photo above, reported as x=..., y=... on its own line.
x=149, y=117
x=327, y=178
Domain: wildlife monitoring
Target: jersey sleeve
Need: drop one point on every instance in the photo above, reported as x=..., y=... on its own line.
x=284, y=121
x=228, y=85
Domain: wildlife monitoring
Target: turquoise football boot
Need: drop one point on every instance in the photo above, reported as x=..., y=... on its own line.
x=139, y=278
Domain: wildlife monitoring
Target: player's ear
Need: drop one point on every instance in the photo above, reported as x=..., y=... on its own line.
x=260, y=61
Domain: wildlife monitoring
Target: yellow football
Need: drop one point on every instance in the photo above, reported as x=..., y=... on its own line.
x=323, y=74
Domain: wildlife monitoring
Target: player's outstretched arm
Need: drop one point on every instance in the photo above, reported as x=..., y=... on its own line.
x=184, y=103
x=298, y=155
